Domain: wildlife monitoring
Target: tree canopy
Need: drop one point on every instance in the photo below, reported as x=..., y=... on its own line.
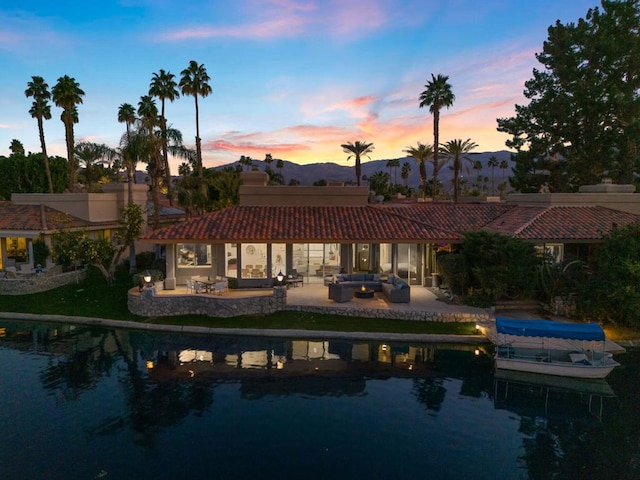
x=582, y=121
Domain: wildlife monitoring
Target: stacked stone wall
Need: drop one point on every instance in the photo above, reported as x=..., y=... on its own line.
x=148, y=304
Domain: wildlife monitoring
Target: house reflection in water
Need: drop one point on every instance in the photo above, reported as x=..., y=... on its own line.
x=296, y=358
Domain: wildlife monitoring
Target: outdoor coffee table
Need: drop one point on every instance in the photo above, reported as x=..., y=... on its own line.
x=363, y=293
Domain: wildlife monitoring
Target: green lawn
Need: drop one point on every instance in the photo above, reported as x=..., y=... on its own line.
x=94, y=298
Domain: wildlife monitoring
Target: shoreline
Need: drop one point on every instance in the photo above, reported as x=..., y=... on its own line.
x=251, y=332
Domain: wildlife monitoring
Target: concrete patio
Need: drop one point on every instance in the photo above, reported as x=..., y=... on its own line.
x=313, y=297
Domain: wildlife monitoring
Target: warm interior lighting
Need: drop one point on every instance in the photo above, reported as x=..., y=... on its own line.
x=362, y=288
x=384, y=348
x=149, y=364
x=477, y=351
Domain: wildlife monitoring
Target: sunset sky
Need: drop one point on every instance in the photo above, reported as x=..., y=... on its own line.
x=294, y=78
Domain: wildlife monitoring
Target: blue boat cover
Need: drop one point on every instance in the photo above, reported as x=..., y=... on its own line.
x=550, y=329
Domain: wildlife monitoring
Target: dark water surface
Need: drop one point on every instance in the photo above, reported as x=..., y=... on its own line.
x=84, y=403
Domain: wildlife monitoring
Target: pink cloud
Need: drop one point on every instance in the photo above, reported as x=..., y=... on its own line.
x=289, y=18
x=254, y=149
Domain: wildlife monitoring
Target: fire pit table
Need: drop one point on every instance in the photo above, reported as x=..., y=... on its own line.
x=363, y=293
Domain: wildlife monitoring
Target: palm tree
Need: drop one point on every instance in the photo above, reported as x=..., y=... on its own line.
x=88, y=153
x=127, y=115
x=406, y=169
x=456, y=151
x=280, y=166
x=40, y=109
x=438, y=94
x=420, y=154
x=357, y=149
x=67, y=94
x=389, y=166
x=16, y=147
x=246, y=162
x=492, y=163
x=194, y=82
x=268, y=159
x=164, y=87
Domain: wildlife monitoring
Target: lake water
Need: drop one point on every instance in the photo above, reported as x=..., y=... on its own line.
x=86, y=403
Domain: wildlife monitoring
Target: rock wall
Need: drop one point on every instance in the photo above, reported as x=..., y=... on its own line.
x=39, y=283
x=148, y=304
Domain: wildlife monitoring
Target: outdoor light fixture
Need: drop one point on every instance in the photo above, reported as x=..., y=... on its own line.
x=280, y=277
x=147, y=277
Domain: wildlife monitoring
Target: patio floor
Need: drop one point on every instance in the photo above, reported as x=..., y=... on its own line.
x=316, y=295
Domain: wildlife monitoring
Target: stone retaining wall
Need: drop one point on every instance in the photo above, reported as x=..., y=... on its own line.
x=39, y=283
x=147, y=304
x=413, y=315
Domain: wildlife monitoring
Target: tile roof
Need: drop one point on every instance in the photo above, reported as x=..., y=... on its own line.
x=569, y=223
x=302, y=224
x=37, y=218
x=409, y=223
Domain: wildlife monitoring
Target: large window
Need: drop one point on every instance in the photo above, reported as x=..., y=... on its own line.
x=409, y=264
x=194, y=255
x=278, y=259
x=231, y=255
x=386, y=258
x=254, y=260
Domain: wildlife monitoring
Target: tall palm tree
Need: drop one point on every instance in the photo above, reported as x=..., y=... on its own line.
x=438, y=94
x=420, y=154
x=40, y=109
x=404, y=173
x=395, y=163
x=492, y=163
x=356, y=150
x=195, y=81
x=127, y=115
x=280, y=166
x=456, y=151
x=164, y=87
x=268, y=159
x=67, y=94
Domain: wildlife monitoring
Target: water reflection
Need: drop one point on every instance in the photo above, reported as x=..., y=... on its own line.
x=441, y=404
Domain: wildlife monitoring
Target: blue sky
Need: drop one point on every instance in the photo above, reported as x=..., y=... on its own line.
x=294, y=78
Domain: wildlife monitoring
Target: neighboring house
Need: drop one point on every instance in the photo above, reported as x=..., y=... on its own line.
x=30, y=216
x=319, y=231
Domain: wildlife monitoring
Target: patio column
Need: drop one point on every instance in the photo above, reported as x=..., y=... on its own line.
x=170, y=280
x=30, y=253
x=3, y=251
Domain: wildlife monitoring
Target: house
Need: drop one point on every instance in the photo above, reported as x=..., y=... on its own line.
x=318, y=231
x=31, y=216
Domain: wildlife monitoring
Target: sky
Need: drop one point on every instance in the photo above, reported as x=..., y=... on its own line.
x=294, y=78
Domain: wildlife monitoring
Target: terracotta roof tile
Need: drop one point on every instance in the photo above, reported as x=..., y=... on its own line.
x=302, y=224
x=37, y=218
x=416, y=222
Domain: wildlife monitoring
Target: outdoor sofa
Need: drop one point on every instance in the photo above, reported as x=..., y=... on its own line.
x=394, y=288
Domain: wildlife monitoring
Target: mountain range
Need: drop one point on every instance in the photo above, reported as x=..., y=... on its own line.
x=332, y=172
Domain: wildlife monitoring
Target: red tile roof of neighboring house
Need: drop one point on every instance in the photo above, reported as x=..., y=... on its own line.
x=397, y=223
x=38, y=218
x=565, y=223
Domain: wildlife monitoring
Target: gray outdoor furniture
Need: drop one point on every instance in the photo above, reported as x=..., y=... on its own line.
x=340, y=293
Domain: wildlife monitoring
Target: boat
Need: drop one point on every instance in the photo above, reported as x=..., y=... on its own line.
x=553, y=348
x=550, y=395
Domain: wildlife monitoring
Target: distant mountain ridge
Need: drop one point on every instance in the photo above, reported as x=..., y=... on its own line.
x=332, y=172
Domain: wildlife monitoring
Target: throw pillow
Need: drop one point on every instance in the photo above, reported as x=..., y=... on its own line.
x=376, y=277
